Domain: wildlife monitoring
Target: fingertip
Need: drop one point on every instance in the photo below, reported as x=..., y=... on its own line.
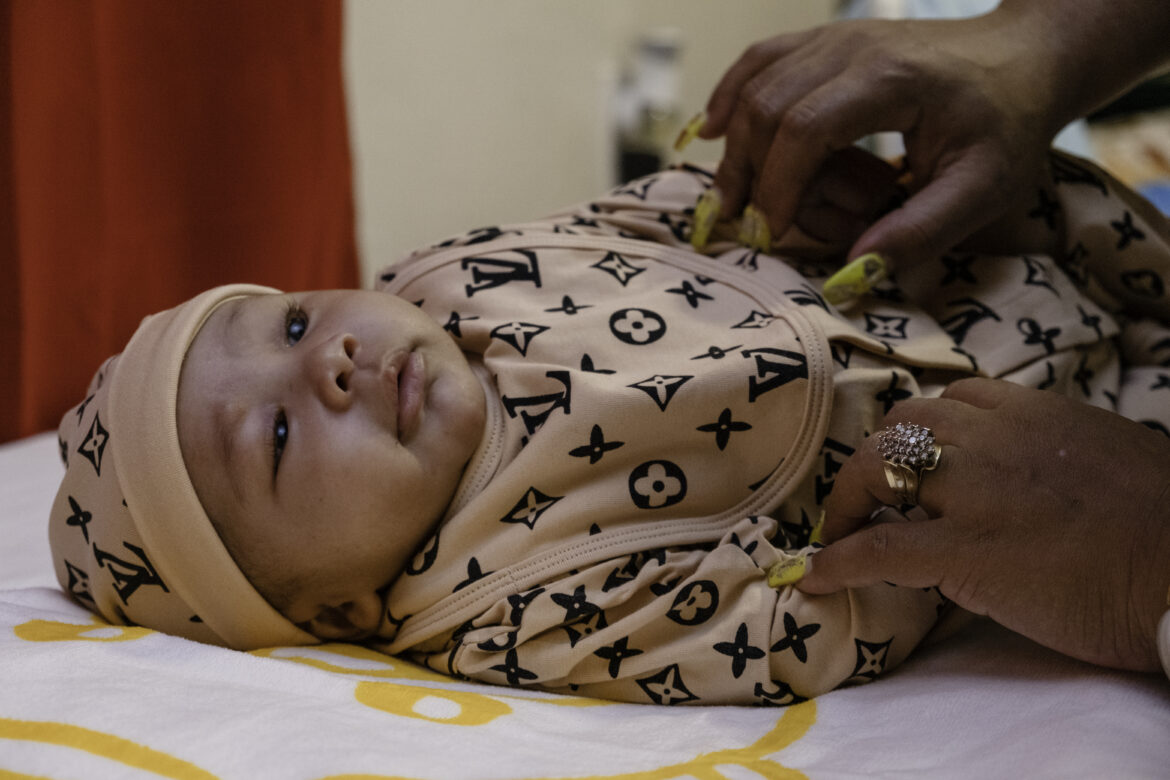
x=816, y=582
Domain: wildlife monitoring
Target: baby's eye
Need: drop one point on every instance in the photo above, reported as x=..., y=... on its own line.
x=279, y=439
x=296, y=322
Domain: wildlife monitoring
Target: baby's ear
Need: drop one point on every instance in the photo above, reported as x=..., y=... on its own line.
x=348, y=621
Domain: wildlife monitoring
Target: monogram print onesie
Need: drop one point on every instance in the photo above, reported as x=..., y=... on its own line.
x=662, y=422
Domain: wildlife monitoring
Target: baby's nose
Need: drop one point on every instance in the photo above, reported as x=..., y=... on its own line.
x=330, y=370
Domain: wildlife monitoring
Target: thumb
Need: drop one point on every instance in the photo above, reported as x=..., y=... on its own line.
x=928, y=224
x=902, y=552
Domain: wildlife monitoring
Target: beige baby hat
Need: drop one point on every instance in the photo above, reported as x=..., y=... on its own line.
x=129, y=537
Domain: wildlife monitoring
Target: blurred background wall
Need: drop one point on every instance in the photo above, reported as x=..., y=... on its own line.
x=467, y=113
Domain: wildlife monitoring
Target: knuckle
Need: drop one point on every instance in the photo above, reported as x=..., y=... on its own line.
x=878, y=542
x=802, y=121
x=757, y=102
x=760, y=51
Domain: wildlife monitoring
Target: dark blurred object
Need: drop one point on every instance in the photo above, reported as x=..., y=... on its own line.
x=152, y=150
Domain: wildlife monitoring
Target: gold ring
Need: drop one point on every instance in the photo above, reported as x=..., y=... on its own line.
x=907, y=450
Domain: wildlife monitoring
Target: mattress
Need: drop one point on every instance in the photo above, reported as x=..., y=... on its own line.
x=82, y=699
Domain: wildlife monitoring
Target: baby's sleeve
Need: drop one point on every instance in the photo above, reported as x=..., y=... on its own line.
x=1116, y=243
x=694, y=625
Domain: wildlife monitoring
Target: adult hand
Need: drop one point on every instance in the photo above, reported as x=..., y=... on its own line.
x=973, y=100
x=1049, y=516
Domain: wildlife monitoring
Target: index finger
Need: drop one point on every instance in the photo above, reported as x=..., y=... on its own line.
x=952, y=206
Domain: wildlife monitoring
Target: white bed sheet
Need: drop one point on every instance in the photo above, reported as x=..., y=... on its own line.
x=83, y=700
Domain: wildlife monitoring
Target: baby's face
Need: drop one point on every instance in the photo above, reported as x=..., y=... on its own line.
x=326, y=432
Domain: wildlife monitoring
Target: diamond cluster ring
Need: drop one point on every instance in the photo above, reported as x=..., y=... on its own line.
x=907, y=450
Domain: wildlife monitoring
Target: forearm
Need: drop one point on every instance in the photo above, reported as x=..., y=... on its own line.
x=1089, y=50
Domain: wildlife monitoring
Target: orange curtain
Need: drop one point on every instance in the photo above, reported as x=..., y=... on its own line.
x=150, y=150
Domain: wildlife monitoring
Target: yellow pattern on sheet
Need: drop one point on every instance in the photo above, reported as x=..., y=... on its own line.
x=458, y=708
x=105, y=745
x=97, y=630
x=792, y=725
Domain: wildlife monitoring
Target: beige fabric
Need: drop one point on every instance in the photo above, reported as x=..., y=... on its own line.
x=555, y=574
x=129, y=537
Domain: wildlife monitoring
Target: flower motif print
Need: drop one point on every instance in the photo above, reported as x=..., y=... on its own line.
x=695, y=603
x=637, y=326
x=657, y=484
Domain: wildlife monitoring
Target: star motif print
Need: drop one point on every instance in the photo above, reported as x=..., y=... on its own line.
x=871, y=658
x=637, y=326
x=597, y=446
x=575, y=604
x=657, y=484
x=740, y=651
x=723, y=428
x=530, y=507
x=518, y=602
x=616, y=266
x=667, y=687
x=716, y=353
x=661, y=388
x=958, y=270
x=518, y=334
x=515, y=674
x=795, y=636
x=688, y=291
x=569, y=307
x=585, y=627
x=79, y=518
x=615, y=654
x=886, y=327
x=94, y=445
x=892, y=394
x=1126, y=232
x=1035, y=334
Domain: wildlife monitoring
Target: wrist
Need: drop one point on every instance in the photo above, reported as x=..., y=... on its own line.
x=1090, y=51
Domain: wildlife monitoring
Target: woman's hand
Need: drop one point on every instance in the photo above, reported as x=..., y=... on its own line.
x=1049, y=516
x=976, y=116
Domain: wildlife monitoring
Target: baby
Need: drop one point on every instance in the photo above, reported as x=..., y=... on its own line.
x=566, y=453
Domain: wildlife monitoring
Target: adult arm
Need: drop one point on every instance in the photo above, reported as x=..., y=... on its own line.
x=977, y=101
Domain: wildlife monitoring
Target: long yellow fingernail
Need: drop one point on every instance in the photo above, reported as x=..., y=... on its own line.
x=789, y=570
x=856, y=279
x=753, y=230
x=815, y=535
x=707, y=211
x=690, y=131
